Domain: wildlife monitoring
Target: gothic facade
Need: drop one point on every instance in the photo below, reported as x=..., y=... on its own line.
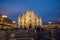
x=29, y=19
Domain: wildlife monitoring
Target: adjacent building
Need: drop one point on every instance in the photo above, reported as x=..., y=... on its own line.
x=51, y=25
x=5, y=22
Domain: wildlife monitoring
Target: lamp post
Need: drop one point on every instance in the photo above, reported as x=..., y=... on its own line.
x=51, y=31
x=14, y=23
x=3, y=17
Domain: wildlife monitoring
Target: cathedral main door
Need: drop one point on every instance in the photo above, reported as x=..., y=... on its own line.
x=30, y=26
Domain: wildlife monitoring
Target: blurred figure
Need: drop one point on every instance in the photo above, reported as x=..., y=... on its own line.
x=56, y=27
x=38, y=29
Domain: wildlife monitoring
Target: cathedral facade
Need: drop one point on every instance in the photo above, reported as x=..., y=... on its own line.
x=29, y=19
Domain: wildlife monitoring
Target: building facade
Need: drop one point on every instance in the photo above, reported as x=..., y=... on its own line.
x=51, y=25
x=29, y=19
x=5, y=22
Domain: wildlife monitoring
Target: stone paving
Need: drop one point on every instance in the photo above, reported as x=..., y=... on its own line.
x=29, y=34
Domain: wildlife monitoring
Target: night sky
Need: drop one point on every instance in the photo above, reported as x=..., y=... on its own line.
x=48, y=9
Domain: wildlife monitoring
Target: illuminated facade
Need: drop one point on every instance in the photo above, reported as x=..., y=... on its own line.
x=29, y=19
x=5, y=22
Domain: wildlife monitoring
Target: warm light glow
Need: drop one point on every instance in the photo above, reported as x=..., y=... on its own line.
x=4, y=16
x=50, y=22
x=29, y=18
x=13, y=22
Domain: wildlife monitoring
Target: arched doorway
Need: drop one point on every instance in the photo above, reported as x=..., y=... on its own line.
x=30, y=26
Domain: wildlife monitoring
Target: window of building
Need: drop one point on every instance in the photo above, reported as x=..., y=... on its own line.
x=30, y=20
x=21, y=27
x=25, y=27
x=35, y=22
x=24, y=19
x=35, y=18
x=30, y=15
x=21, y=22
x=24, y=22
x=38, y=22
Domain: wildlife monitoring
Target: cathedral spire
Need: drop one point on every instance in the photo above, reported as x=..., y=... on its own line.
x=27, y=10
x=19, y=15
x=29, y=19
x=19, y=19
x=40, y=21
x=24, y=18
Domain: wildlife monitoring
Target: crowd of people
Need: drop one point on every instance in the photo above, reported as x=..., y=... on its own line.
x=29, y=29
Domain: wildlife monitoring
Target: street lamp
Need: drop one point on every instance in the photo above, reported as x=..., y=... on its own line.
x=50, y=22
x=3, y=17
x=14, y=23
x=51, y=31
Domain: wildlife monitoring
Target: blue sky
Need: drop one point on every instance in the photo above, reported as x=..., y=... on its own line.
x=48, y=9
